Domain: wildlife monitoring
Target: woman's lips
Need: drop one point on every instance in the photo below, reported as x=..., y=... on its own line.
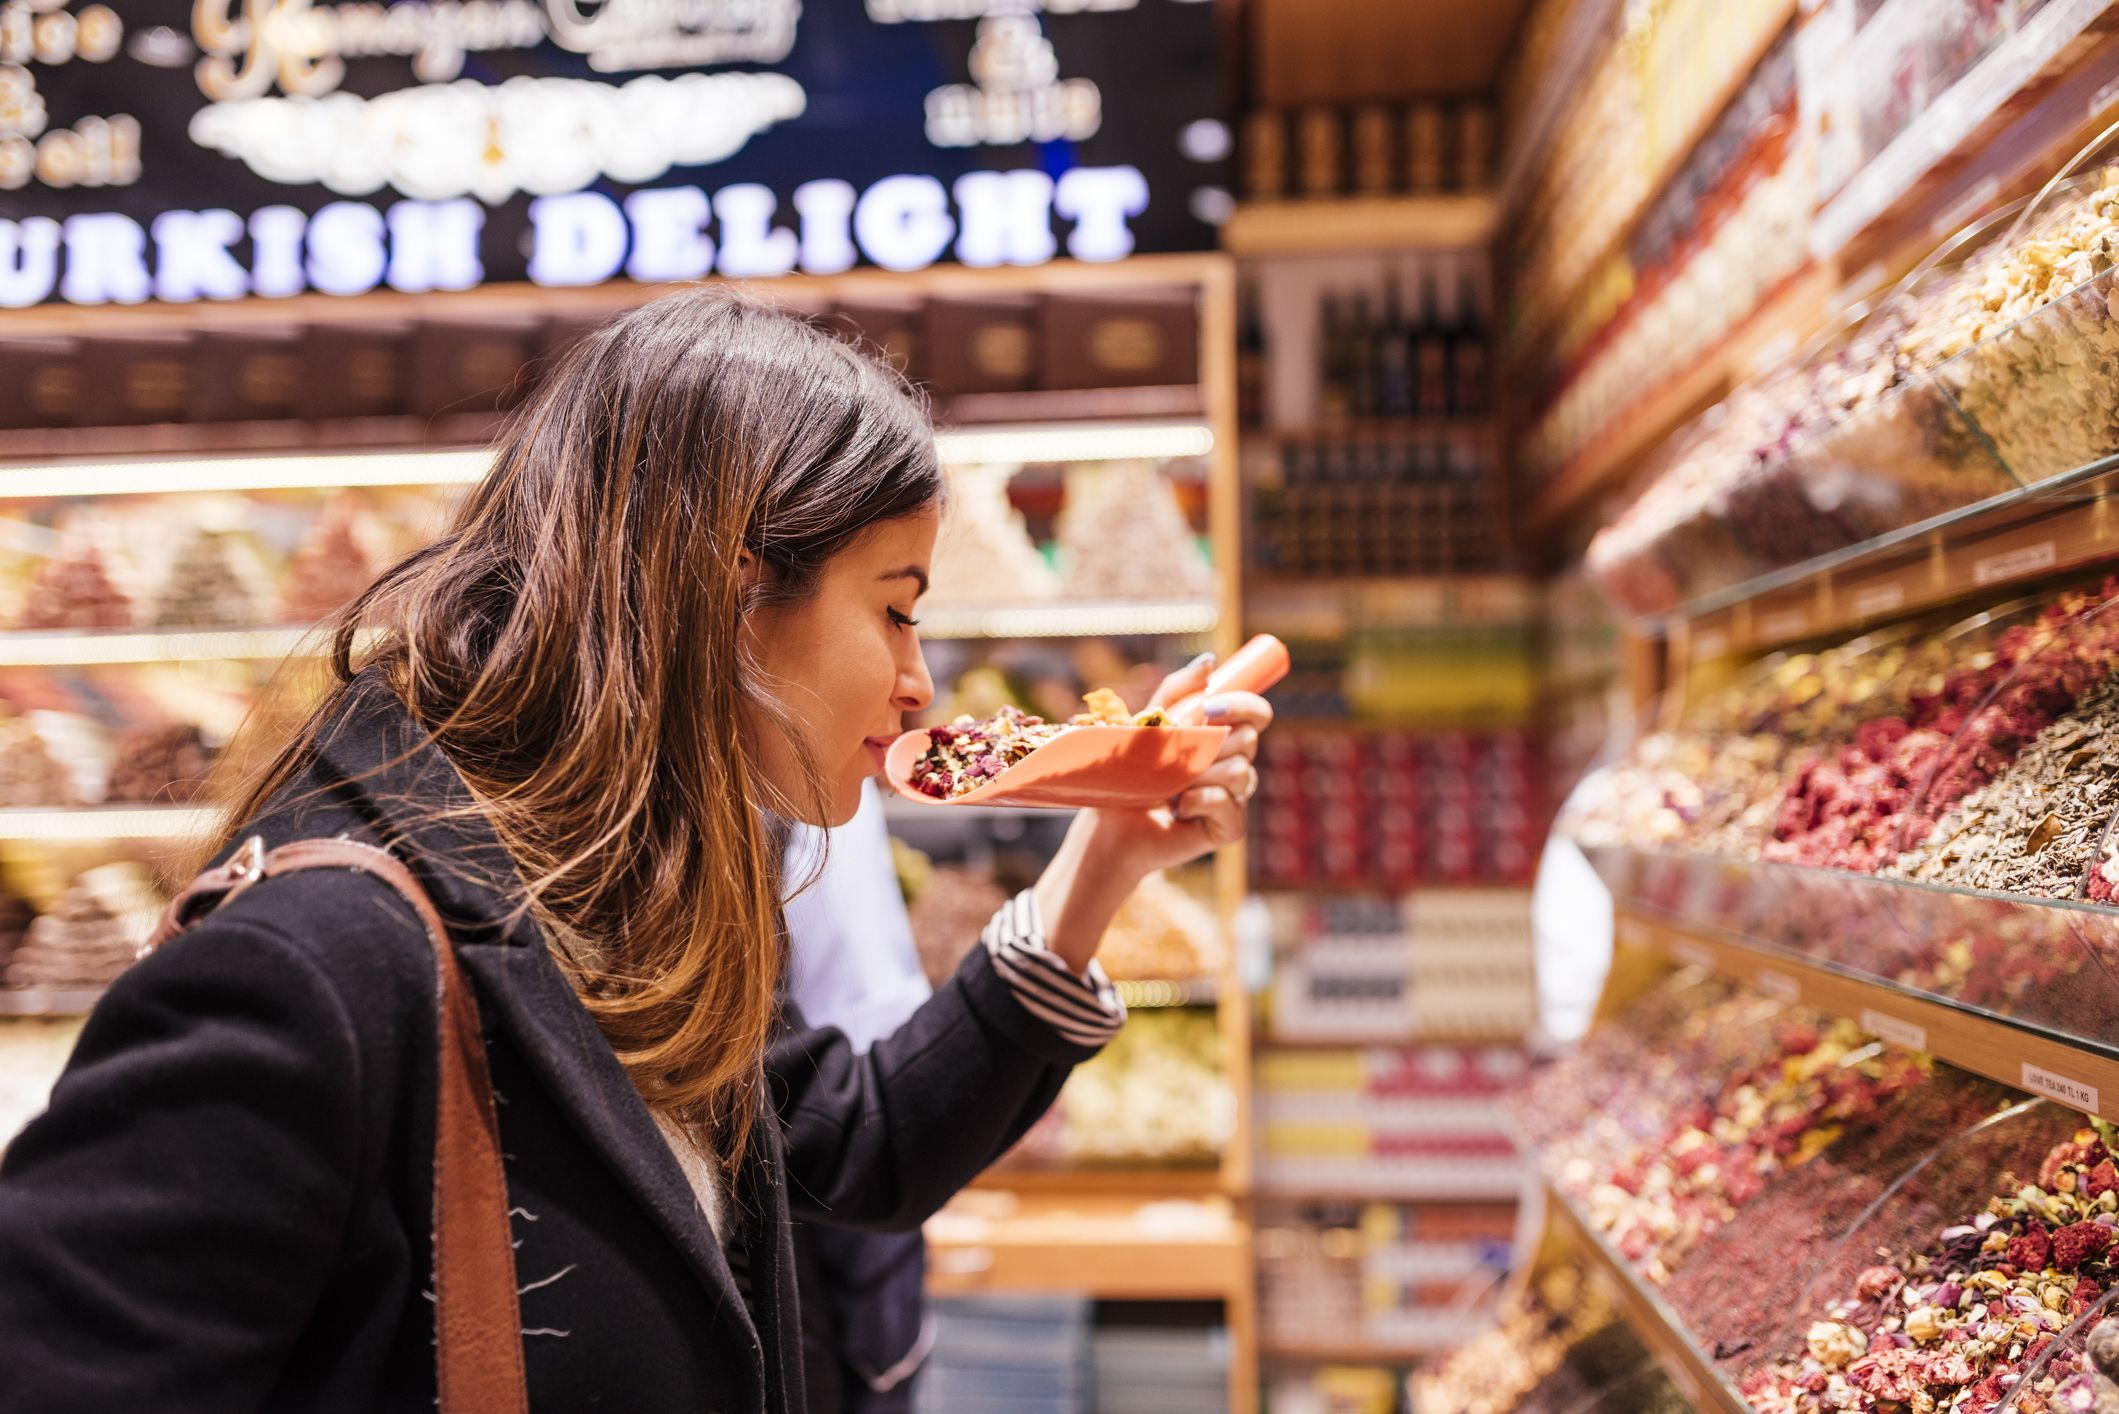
x=878, y=747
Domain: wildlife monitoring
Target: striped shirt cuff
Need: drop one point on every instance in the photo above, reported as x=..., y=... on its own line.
x=1083, y=1009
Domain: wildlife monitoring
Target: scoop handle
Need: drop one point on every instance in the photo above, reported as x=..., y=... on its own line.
x=1252, y=668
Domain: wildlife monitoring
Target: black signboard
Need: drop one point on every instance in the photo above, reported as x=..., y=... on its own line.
x=158, y=149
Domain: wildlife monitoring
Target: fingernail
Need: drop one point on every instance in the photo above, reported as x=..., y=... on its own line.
x=1204, y=660
x=1216, y=709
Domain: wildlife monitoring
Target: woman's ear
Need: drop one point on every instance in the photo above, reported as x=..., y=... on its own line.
x=749, y=568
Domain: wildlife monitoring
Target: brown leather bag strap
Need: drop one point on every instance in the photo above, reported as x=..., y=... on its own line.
x=477, y=1316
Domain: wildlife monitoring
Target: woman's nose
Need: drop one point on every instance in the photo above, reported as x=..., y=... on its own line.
x=915, y=686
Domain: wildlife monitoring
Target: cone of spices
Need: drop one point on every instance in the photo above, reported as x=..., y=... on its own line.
x=91, y=934
x=159, y=766
x=216, y=580
x=75, y=589
x=1123, y=536
x=15, y=918
x=30, y=775
x=333, y=564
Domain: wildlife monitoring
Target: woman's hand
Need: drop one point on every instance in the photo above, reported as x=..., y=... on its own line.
x=1108, y=852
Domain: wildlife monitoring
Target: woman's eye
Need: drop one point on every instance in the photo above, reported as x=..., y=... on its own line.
x=903, y=619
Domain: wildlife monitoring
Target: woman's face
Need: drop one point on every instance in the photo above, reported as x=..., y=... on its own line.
x=846, y=664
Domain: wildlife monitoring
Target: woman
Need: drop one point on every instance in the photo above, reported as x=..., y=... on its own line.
x=681, y=606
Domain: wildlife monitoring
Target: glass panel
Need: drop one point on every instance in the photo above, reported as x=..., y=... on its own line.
x=1735, y=1292
x=2019, y=801
x=2050, y=965
x=2079, y=1373
x=1918, y=1301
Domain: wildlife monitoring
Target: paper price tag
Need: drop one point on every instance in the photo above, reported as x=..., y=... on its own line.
x=1692, y=955
x=1879, y=599
x=2059, y=1087
x=1788, y=623
x=1892, y=1029
x=2014, y=564
x=1779, y=986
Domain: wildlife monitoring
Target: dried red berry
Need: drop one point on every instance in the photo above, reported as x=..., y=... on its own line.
x=2077, y=1243
x=2101, y=1179
x=2033, y=1251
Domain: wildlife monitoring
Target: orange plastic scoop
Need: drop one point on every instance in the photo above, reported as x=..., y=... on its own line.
x=1098, y=766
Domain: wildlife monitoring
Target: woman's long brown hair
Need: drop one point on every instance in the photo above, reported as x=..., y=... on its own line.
x=572, y=644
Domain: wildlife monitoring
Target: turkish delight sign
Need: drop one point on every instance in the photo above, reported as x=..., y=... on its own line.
x=181, y=150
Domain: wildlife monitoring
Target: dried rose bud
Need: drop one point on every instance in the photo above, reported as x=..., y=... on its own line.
x=2101, y=1180
x=1876, y=1283
x=1833, y=1344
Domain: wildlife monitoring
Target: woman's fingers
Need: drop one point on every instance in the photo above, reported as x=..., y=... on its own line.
x=1191, y=678
x=1241, y=742
x=1221, y=817
x=1239, y=709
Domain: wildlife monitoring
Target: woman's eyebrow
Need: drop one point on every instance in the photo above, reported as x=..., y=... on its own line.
x=909, y=572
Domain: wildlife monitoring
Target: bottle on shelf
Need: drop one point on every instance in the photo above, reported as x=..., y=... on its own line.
x=1474, y=167
x=1335, y=387
x=1375, y=173
x=1468, y=364
x=1265, y=155
x=1431, y=351
x=1361, y=355
x=1321, y=170
x=1426, y=149
x=1251, y=363
x=1393, y=356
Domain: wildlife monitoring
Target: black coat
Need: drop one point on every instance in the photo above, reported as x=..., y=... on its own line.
x=227, y=1205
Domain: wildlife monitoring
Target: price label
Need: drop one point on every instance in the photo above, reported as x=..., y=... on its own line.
x=1692, y=955
x=1779, y=986
x=2059, y=1087
x=2014, y=564
x=1788, y=623
x=1879, y=599
x=2104, y=98
x=1892, y=1029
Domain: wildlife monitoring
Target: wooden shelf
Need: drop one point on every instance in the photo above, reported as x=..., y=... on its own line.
x=1382, y=1190
x=67, y=649
x=1362, y=1352
x=2028, y=537
x=1797, y=307
x=1073, y=618
x=43, y=1001
x=1646, y=1314
x=1770, y=31
x=95, y=823
x=1141, y=1183
x=1358, y=223
x=1107, y=1246
x=2011, y=1054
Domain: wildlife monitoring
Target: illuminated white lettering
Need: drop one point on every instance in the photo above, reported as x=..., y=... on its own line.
x=29, y=261
x=826, y=208
x=434, y=245
x=903, y=223
x=1099, y=200
x=669, y=234
x=1007, y=218
x=192, y=259
x=576, y=240
x=346, y=254
x=751, y=244
x=276, y=251
x=106, y=260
